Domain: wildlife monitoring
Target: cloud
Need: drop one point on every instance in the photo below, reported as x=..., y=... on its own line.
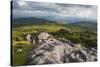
x=22, y=3
x=53, y=10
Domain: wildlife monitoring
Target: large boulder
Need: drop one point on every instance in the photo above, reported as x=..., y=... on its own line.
x=54, y=51
x=43, y=35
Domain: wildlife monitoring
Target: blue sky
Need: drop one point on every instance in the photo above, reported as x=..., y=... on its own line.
x=54, y=11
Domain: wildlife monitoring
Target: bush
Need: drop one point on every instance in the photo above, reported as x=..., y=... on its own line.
x=86, y=38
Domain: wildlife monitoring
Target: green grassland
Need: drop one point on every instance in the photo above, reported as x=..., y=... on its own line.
x=60, y=31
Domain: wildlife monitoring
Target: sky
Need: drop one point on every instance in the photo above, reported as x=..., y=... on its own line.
x=54, y=11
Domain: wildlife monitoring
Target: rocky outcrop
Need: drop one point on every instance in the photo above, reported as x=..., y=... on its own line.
x=53, y=51
x=43, y=35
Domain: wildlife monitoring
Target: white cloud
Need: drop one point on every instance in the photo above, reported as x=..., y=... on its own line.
x=22, y=3
x=55, y=10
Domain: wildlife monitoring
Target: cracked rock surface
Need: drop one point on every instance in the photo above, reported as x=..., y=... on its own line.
x=53, y=51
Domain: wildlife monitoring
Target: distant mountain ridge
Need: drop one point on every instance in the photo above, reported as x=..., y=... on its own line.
x=41, y=20
x=89, y=25
x=29, y=20
x=85, y=24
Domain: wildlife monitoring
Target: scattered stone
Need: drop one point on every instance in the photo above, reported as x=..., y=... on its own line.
x=19, y=51
x=29, y=38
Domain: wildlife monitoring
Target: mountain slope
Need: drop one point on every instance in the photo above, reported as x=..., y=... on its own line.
x=29, y=20
x=86, y=25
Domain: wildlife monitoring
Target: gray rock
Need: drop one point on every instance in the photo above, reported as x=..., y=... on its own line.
x=54, y=51
x=19, y=50
x=43, y=35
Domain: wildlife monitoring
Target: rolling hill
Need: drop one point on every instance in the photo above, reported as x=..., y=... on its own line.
x=85, y=24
